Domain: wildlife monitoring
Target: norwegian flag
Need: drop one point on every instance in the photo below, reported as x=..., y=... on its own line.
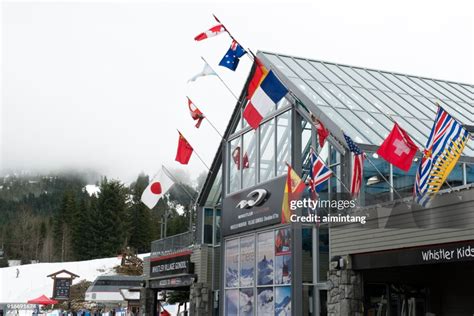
x=196, y=114
x=213, y=31
x=357, y=166
x=319, y=173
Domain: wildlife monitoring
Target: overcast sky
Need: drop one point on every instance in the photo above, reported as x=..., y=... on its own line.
x=103, y=85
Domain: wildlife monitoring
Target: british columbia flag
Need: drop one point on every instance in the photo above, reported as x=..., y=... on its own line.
x=443, y=149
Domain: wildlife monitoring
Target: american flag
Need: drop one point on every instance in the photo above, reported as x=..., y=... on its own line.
x=443, y=148
x=357, y=166
x=319, y=173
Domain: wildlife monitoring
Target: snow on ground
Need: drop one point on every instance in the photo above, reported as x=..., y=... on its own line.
x=33, y=281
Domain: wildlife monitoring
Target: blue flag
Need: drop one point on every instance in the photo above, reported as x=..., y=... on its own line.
x=231, y=58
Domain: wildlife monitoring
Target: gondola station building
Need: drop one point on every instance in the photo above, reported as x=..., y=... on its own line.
x=383, y=253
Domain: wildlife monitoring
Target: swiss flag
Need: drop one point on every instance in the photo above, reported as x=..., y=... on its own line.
x=158, y=186
x=184, y=151
x=398, y=148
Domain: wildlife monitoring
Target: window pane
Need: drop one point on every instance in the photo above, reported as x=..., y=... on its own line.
x=323, y=235
x=265, y=245
x=232, y=302
x=249, y=159
x=308, y=309
x=470, y=173
x=265, y=301
x=246, y=302
x=234, y=163
x=283, y=256
x=232, y=263
x=267, y=151
x=247, y=261
x=208, y=220
x=283, y=300
x=307, y=255
x=283, y=142
x=217, y=237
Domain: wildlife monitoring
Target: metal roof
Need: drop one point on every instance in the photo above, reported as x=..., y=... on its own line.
x=364, y=103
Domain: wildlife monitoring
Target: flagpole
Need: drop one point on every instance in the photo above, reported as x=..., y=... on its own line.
x=199, y=157
x=230, y=35
x=168, y=173
x=225, y=85
x=212, y=125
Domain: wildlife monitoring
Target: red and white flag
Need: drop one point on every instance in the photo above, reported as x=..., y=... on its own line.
x=323, y=132
x=158, y=186
x=398, y=148
x=196, y=114
x=213, y=31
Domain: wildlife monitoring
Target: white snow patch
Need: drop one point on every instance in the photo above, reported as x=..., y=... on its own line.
x=92, y=189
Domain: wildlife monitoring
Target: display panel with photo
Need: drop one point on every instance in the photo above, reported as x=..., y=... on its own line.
x=265, y=245
x=232, y=302
x=282, y=241
x=247, y=261
x=282, y=301
x=265, y=301
x=283, y=269
x=232, y=263
x=246, y=302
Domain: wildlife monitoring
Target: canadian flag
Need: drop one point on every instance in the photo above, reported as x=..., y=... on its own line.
x=213, y=31
x=398, y=148
x=158, y=186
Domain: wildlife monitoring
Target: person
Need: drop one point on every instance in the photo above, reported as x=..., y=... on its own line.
x=17, y=272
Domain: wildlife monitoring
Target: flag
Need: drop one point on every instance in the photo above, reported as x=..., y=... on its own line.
x=357, y=166
x=158, y=186
x=294, y=186
x=196, y=114
x=232, y=57
x=322, y=131
x=398, y=148
x=236, y=158
x=264, y=99
x=206, y=71
x=259, y=73
x=213, y=31
x=444, y=147
x=184, y=150
x=319, y=173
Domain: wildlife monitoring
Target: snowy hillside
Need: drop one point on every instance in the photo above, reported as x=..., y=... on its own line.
x=32, y=281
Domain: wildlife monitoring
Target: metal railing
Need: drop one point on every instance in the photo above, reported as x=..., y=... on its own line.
x=172, y=244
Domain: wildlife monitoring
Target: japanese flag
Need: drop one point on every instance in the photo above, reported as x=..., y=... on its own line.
x=158, y=186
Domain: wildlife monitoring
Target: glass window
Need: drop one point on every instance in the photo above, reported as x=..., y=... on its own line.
x=308, y=308
x=265, y=301
x=327, y=73
x=403, y=181
x=407, y=88
x=307, y=255
x=283, y=152
x=314, y=92
x=381, y=107
x=366, y=105
x=246, y=302
x=470, y=173
x=326, y=94
x=283, y=256
x=461, y=94
x=440, y=88
x=315, y=74
x=342, y=96
x=323, y=235
x=232, y=263
x=374, y=187
x=342, y=75
x=267, y=150
x=247, y=261
x=282, y=300
x=456, y=177
x=265, y=257
x=217, y=231
x=296, y=68
x=390, y=85
x=232, y=302
x=208, y=221
x=344, y=124
x=234, y=164
x=363, y=73
x=275, y=60
x=249, y=159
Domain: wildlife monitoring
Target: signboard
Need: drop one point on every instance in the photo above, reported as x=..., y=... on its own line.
x=185, y=280
x=171, y=265
x=443, y=253
x=62, y=287
x=253, y=208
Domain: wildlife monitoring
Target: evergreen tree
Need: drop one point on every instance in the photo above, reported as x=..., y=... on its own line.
x=140, y=219
x=112, y=210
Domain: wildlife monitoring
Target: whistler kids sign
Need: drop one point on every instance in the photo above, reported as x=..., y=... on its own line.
x=442, y=253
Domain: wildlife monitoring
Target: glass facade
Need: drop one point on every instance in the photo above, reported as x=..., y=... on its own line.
x=264, y=153
x=258, y=266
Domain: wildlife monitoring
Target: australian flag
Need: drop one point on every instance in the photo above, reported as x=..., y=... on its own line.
x=232, y=57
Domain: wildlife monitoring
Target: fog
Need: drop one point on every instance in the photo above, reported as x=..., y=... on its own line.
x=103, y=85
